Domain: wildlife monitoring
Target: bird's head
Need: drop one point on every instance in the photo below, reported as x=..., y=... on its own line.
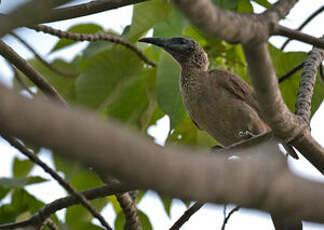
x=185, y=50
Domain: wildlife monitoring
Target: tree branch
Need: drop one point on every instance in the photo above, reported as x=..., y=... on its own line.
x=51, y=208
x=100, y=36
x=291, y=72
x=297, y=35
x=226, y=218
x=279, y=10
x=85, y=203
x=29, y=13
x=33, y=75
x=186, y=174
x=130, y=211
x=92, y=7
x=306, y=85
x=186, y=216
x=310, y=18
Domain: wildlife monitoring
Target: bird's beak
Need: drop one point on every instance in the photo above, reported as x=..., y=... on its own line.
x=161, y=42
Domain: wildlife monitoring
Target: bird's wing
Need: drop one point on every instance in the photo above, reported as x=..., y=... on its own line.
x=236, y=85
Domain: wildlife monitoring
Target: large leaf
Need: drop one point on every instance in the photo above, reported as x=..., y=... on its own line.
x=283, y=63
x=20, y=182
x=134, y=102
x=173, y=26
x=21, y=202
x=146, y=15
x=21, y=168
x=168, y=93
x=80, y=28
x=105, y=72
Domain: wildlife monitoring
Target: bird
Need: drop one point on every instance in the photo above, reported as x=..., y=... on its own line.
x=218, y=101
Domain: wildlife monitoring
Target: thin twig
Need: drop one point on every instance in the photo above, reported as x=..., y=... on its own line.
x=291, y=72
x=186, y=215
x=21, y=81
x=226, y=218
x=88, y=8
x=310, y=18
x=297, y=35
x=49, y=209
x=58, y=178
x=40, y=81
x=100, y=36
x=42, y=60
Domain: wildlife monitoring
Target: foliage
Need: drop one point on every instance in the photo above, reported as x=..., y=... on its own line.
x=115, y=83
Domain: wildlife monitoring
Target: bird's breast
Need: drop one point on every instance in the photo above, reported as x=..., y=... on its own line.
x=218, y=112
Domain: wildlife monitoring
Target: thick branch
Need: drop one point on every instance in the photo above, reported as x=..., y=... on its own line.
x=283, y=123
x=306, y=85
x=186, y=174
x=280, y=9
x=33, y=75
x=92, y=7
x=224, y=24
x=66, y=202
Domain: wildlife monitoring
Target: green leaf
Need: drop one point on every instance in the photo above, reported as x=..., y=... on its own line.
x=173, y=26
x=168, y=93
x=120, y=221
x=68, y=167
x=244, y=6
x=3, y=192
x=145, y=221
x=89, y=28
x=167, y=202
x=146, y=15
x=263, y=3
x=188, y=134
x=20, y=182
x=21, y=168
x=104, y=73
x=130, y=101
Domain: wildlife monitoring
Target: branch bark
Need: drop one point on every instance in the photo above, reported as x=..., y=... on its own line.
x=307, y=82
x=92, y=7
x=179, y=173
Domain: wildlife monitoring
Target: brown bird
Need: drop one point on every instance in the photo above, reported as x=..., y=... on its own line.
x=218, y=101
